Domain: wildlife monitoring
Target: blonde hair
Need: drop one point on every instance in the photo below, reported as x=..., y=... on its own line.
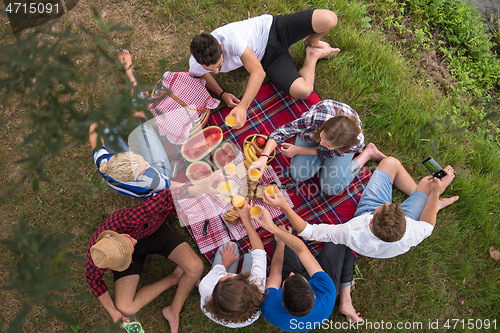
x=341, y=131
x=121, y=167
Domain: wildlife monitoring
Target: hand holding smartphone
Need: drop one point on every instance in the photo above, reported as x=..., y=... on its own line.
x=433, y=167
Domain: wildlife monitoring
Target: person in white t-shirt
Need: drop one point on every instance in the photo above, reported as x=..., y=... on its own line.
x=380, y=228
x=230, y=299
x=260, y=44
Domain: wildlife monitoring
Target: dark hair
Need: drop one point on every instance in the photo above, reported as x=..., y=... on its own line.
x=389, y=224
x=235, y=299
x=341, y=131
x=298, y=296
x=205, y=49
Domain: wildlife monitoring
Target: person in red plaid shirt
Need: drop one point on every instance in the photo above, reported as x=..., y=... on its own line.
x=121, y=244
x=328, y=136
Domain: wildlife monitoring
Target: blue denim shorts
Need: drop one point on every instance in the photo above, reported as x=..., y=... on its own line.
x=379, y=191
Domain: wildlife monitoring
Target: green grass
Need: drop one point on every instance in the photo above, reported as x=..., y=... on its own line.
x=429, y=282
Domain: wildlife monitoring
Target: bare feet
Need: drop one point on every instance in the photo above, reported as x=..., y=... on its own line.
x=173, y=320
x=446, y=202
x=125, y=58
x=374, y=153
x=316, y=43
x=450, y=175
x=321, y=53
x=349, y=312
x=345, y=305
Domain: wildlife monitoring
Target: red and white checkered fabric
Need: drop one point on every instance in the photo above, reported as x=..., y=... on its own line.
x=209, y=206
x=172, y=119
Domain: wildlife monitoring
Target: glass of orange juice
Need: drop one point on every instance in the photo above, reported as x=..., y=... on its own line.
x=223, y=187
x=230, y=168
x=230, y=121
x=255, y=211
x=271, y=191
x=238, y=200
x=254, y=174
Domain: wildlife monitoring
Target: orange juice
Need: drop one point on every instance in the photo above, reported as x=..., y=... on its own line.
x=271, y=190
x=238, y=201
x=230, y=121
x=230, y=168
x=223, y=187
x=254, y=174
x=255, y=211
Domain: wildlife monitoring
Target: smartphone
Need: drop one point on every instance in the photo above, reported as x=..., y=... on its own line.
x=433, y=167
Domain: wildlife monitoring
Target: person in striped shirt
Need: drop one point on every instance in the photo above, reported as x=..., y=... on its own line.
x=328, y=136
x=145, y=174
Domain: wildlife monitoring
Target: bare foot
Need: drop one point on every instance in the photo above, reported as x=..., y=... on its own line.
x=125, y=58
x=350, y=313
x=374, y=153
x=345, y=305
x=450, y=175
x=321, y=53
x=198, y=283
x=173, y=320
x=317, y=43
x=446, y=202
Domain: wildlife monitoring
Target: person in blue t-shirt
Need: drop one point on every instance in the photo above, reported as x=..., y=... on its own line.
x=306, y=298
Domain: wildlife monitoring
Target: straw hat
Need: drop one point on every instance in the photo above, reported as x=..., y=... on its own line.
x=111, y=251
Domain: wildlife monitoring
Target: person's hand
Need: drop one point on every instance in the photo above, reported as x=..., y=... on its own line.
x=241, y=116
x=279, y=201
x=125, y=58
x=259, y=164
x=208, y=182
x=289, y=150
x=266, y=222
x=244, y=211
x=228, y=256
x=285, y=228
x=118, y=317
x=230, y=100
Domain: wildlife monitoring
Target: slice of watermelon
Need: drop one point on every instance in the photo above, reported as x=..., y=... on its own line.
x=224, y=155
x=200, y=145
x=198, y=170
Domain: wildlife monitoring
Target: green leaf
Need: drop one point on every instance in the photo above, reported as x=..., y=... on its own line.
x=60, y=314
x=101, y=43
x=424, y=133
x=18, y=321
x=36, y=186
x=492, y=116
x=434, y=146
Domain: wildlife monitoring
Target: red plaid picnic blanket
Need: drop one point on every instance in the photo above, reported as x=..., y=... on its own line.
x=271, y=109
x=173, y=120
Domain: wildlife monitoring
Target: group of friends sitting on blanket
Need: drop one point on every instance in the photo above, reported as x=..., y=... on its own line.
x=300, y=290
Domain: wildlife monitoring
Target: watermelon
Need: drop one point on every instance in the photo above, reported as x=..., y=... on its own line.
x=202, y=144
x=198, y=170
x=223, y=155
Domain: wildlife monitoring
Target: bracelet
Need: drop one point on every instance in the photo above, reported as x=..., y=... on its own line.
x=266, y=156
x=222, y=93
